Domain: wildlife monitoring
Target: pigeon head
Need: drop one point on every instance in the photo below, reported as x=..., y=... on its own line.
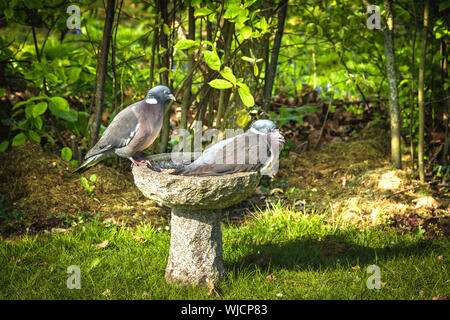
x=159, y=94
x=264, y=126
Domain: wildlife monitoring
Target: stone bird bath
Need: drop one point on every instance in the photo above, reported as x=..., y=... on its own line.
x=195, y=255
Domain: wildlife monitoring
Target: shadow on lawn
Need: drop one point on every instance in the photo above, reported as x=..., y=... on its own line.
x=330, y=252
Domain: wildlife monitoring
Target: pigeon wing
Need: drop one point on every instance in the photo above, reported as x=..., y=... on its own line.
x=118, y=134
x=241, y=154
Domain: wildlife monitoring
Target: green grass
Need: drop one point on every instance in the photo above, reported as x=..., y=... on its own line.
x=305, y=256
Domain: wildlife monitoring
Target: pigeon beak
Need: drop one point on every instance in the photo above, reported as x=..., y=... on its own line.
x=171, y=96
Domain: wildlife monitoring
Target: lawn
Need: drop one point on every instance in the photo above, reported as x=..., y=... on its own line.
x=277, y=253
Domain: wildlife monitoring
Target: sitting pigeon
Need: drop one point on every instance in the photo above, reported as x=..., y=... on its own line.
x=132, y=130
x=257, y=149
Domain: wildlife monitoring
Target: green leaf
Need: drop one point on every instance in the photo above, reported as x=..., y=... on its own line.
x=227, y=73
x=38, y=123
x=248, y=3
x=212, y=59
x=248, y=59
x=220, y=84
x=185, y=44
x=60, y=109
x=74, y=74
x=232, y=11
x=9, y=13
x=255, y=70
x=93, y=178
x=2, y=92
x=66, y=154
x=444, y=5
x=246, y=97
x=243, y=120
x=29, y=111
x=166, y=29
x=58, y=104
x=262, y=24
x=19, y=139
x=85, y=182
x=246, y=32
x=34, y=136
x=45, y=134
x=4, y=145
x=39, y=109
x=202, y=12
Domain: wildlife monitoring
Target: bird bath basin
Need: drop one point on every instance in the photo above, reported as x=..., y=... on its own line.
x=195, y=255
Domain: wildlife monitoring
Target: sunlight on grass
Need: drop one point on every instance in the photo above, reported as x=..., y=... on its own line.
x=280, y=253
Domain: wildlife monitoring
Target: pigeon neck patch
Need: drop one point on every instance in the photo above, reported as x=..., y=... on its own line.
x=151, y=100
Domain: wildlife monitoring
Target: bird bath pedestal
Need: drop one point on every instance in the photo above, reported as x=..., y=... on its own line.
x=195, y=254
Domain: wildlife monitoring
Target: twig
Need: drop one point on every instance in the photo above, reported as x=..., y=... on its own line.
x=323, y=127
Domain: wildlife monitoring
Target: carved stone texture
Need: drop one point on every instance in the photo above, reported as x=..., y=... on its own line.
x=195, y=255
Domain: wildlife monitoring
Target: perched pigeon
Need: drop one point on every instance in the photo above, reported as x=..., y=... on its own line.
x=257, y=149
x=132, y=130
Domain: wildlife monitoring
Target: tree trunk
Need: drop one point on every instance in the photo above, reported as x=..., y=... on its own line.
x=227, y=29
x=187, y=89
x=412, y=103
x=165, y=62
x=396, y=155
x=154, y=46
x=444, y=75
x=102, y=64
x=272, y=68
x=421, y=94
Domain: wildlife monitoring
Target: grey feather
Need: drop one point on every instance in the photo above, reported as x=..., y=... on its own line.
x=93, y=160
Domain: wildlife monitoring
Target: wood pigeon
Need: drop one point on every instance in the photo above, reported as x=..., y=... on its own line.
x=132, y=130
x=257, y=149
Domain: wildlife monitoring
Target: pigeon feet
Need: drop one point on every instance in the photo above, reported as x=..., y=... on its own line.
x=140, y=162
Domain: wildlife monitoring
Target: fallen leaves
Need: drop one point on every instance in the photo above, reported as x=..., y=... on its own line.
x=427, y=203
x=102, y=245
x=271, y=277
x=140, y=239
x=439, y=297
x=212, y=286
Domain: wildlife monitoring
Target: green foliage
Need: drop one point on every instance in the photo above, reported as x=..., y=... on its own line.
x=88, y=187
x=3, y=146
x=60, y=109
x=212, y=59
x=32, y=125
x=287, y=114
x=220, y=84
x=9, y=218
x=66, y=154
x=186, y=44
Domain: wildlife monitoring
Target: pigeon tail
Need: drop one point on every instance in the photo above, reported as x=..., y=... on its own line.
x=92, y=161
x=180, y=171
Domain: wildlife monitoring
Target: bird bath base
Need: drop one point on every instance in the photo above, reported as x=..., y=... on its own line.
x=195, y=254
